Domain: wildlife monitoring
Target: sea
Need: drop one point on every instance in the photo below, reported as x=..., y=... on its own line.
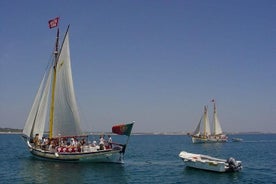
x=148, y=159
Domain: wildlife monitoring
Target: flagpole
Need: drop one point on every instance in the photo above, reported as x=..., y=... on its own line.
x=56, y=48
x=124, y=149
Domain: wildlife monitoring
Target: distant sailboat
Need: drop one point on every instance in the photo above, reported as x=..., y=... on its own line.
x=55, y=103
x=203, y=133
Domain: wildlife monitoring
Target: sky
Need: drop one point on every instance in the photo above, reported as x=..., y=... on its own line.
x=154, y=62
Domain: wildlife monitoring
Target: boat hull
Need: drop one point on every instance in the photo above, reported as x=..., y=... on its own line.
x=208, y=163
x=217, y=167
x=108, y=155
x=114, y=156
x=208, y=140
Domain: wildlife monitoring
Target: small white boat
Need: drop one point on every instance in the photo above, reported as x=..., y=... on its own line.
x=206, y=162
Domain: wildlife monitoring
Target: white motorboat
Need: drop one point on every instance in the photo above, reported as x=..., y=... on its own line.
x=209, y=163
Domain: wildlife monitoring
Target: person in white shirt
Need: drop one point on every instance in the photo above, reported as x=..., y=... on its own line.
x=101, y=143
x=109, y=141
x=73, y=142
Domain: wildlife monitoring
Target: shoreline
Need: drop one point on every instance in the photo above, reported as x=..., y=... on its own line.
x=159, y=133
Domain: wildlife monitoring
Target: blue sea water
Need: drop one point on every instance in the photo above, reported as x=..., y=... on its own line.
x=148, y=159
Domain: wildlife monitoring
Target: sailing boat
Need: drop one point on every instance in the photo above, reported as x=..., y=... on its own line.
x=203, y=133
x=55, y=102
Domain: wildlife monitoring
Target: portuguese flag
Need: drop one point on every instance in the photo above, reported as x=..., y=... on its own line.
x=122, y=129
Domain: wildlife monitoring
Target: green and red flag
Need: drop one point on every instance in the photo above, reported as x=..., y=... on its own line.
x=122, y=129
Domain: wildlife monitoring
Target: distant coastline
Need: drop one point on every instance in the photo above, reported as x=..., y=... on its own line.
x=10, y=131
x=19, y=131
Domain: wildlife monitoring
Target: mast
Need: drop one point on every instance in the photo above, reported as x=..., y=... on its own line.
x=51, y=120
x=205, y=121
x=214, y=119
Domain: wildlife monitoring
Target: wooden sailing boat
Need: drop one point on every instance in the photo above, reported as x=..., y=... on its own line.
x=56, y=97
x=203, y=134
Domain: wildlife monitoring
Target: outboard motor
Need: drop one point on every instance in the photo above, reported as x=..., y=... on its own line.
x=233, y=164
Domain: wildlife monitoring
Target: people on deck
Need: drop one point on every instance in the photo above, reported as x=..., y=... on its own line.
x=61, y=143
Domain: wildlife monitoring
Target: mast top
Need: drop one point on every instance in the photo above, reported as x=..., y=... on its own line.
x=57, y=46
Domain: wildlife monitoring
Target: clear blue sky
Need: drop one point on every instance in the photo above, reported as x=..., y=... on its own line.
x=156, y=62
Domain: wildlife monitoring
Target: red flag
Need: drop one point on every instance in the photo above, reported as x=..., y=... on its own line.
x=53, y=22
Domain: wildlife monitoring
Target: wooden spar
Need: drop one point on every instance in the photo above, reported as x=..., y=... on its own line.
x=214, y=123
x=205, y=121
x=51, y=120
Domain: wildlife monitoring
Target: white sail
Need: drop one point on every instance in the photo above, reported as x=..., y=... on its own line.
x=66, y=115
x=206, y=123
x=37, y=117
x=203, y=127
x=197, y=130
x=217, y=127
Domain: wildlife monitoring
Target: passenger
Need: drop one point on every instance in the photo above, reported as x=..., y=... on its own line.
x=94, y=143
x=82, y=142
x=76, y=142
x=62, y=142
x=101, y=143
x=68, y=143
x=45, y=143
x=109, y=142
x=73, y=142
x=36, y=140
x=52, y=146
